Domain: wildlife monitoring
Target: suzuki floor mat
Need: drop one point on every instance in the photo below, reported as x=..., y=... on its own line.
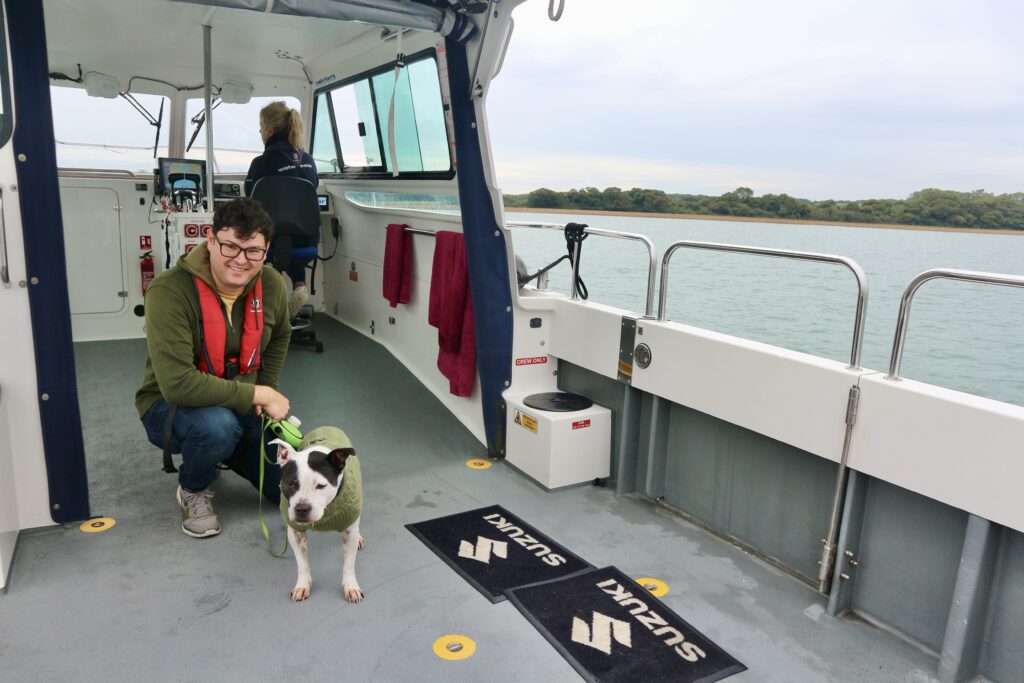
x=611, y=629
x=495, y=550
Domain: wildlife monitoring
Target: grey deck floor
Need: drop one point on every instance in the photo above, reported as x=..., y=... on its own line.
x=145, y=602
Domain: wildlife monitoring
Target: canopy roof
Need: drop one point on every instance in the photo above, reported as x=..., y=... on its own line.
x=163, y=39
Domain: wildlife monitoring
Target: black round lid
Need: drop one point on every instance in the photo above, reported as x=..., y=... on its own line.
x=558, y=401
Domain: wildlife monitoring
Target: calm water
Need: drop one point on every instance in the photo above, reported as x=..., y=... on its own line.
x=961, y=335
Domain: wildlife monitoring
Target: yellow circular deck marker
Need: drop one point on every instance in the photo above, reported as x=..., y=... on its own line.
x=454, y=647
x=94, y=526
x=478, y=464
x=657, y=587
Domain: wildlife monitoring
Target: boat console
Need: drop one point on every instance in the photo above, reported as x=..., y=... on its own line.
x=225, y=192
x=180, y=184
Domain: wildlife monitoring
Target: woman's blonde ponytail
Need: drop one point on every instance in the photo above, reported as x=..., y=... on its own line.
x=295, y=129
x=279, y=118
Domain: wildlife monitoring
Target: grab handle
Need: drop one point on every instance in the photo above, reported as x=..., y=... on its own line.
x=937, y=274
x=858, y=272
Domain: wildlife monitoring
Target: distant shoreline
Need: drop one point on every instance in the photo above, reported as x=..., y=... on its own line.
x=747, y=219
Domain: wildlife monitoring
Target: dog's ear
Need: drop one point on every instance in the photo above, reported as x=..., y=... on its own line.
x=284, y=451
x=338, y=456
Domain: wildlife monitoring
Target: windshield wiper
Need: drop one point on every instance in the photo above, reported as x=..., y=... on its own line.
x=199, y=119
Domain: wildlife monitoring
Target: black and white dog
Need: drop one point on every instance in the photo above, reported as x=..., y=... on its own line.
x=322, y=490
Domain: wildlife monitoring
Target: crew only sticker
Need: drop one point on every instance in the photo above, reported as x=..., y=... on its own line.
x=536, y=360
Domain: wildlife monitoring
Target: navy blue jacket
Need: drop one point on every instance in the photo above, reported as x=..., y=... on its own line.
x=280, y=158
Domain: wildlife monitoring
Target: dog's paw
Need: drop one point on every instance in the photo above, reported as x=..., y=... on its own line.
x=300, y=593
x=353, y=593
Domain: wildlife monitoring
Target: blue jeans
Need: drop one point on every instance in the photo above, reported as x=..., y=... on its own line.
x=297, y=274
x=206, y=437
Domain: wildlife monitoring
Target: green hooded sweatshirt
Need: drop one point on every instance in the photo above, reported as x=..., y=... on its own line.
x=172, y=339
x=346, y=507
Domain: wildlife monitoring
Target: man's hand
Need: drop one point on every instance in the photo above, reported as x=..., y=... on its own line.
x=271, y=402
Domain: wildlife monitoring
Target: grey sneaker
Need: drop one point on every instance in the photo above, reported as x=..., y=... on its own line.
x=197, y=517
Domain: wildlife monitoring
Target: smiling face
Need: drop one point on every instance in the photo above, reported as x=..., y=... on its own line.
x=232, y=273
x=310, y=479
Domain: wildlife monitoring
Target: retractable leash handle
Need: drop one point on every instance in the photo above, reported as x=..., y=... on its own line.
x=288, y=431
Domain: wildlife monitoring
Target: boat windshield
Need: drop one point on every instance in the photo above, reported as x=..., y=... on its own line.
x=236, y=131
x=96, y=132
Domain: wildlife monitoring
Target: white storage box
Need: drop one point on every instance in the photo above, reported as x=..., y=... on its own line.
x=558, y=448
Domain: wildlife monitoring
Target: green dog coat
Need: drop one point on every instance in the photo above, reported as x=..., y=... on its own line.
x=346, y=507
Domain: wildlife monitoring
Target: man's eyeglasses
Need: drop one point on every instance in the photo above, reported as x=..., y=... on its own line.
x=231, y=250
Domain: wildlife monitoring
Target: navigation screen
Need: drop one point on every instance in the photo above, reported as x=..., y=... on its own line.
x=177, y=175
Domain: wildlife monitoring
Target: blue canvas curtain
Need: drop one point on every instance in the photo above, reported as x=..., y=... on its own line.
x=485, y=255
x=43, y=231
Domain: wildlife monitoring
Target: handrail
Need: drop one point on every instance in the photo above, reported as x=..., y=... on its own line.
x=862, y=282
x=100, y=172
x=651, y=269
x=933, y=274
x=5, y=271
x=125, y=173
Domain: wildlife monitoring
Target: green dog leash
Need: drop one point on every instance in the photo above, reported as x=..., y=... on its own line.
x=288, y=432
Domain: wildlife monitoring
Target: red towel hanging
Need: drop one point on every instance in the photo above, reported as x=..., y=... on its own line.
x=397, y=264
x=450, y=310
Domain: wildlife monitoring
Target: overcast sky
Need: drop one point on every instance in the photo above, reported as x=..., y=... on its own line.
x=814, y=98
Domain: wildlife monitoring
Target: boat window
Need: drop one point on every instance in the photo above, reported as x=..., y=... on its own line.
x=325, y=154
x=352, y=118
x=5, y=92
x=96, y=132
x=358, y=137
x=236, y=131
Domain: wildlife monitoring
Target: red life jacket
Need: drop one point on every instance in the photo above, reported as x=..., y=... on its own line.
x=213, y=332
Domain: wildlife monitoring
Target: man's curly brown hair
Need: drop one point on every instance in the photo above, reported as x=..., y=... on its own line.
x=246, y=217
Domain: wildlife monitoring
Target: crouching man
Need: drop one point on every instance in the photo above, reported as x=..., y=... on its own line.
x=217, y=334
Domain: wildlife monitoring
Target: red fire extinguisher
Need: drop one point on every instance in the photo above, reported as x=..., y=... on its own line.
x=148, y=270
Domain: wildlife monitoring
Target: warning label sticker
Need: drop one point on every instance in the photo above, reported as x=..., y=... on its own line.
x=526, y=421
x=536, y=360
x=580, y=424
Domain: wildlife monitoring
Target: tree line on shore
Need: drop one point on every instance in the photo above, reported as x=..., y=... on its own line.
x=977, y=209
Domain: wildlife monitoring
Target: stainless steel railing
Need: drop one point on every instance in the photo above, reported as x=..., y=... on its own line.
x=651, y=269
x=858, y=272
x=936, y=274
